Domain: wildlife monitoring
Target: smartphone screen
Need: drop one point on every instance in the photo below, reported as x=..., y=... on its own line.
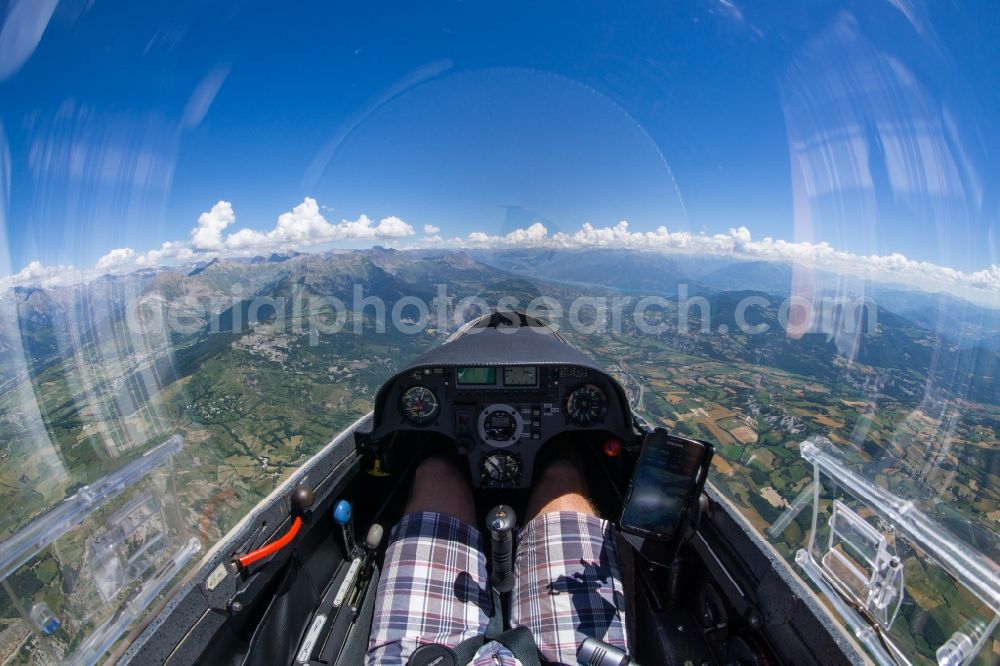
x=662, y=485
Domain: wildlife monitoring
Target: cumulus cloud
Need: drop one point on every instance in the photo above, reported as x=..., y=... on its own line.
x=304, y=225
x=117, y=258
x=988, y=278
x=431, y=230
x=208, y=234
x=37, y=274
x=171, y=250
x=392, y=227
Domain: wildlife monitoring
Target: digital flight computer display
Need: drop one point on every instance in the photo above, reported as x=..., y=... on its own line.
x=477, y=376
x=520, y=376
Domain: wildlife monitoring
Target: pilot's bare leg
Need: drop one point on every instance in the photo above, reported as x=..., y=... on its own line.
x=560, y=488
x=568, y=579
x=434, y=585
x=439, y=486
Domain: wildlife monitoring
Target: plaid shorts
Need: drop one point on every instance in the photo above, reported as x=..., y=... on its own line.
x=435, y=588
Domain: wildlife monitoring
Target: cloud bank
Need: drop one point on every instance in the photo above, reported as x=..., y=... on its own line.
x=305, y=226
x=738, y=243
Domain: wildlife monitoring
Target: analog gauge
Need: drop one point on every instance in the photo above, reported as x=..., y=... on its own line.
x=585, y=405
x=419, y=405
x=500, y=467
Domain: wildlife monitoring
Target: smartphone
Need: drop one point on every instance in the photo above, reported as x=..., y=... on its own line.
x=668, y=478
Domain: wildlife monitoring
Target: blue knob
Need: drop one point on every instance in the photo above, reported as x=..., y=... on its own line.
x=342, y=512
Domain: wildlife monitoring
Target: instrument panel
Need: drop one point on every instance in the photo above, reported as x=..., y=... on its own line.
x=499, y=416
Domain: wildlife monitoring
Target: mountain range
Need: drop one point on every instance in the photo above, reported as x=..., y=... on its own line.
x=956, y=320
x=920, y=337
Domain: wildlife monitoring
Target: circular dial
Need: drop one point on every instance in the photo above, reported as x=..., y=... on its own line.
x=419, y=405
x=500, y=425
x=500, y=467
x=586, y=405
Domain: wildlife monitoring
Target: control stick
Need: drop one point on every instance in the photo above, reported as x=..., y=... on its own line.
x=501, y=521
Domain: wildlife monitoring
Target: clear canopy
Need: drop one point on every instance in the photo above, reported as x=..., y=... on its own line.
x=222, y=227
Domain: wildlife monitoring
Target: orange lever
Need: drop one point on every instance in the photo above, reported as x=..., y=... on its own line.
x=270, y=548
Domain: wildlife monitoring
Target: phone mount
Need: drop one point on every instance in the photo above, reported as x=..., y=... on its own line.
x=663, y=551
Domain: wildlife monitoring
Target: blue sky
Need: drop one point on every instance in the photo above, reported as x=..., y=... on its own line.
x=127, y=121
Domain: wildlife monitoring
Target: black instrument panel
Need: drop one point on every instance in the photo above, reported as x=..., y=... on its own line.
x=499, y=416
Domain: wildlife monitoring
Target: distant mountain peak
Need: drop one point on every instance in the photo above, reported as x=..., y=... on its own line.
x=202, y=269
x=24, y=293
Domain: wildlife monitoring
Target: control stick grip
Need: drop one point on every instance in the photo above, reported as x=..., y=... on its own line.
x=374, y=537
x=501, y=521
x=594, y=652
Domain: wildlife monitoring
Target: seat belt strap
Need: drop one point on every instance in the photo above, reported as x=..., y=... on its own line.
x=626, y=566
x=519, y=641
x=521, y=644
x=467, y=649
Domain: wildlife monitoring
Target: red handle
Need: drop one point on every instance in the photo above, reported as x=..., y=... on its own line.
x=271, y=548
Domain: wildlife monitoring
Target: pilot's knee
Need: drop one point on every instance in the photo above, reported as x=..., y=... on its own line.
x=439, y=469
x=562, y=486
x=440, y=486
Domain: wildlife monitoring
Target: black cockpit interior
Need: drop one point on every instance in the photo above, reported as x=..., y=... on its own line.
x=295, y=582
